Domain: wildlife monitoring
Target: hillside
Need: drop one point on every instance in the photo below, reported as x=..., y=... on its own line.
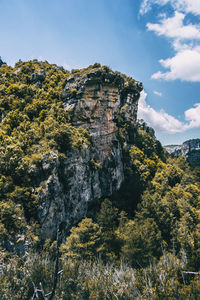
x=189, y=149
x=92, y=206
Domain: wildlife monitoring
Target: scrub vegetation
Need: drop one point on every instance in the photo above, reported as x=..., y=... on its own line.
x=141, y=243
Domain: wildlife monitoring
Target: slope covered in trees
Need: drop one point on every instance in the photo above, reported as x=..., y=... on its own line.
x=189, y=149
x=142, y=242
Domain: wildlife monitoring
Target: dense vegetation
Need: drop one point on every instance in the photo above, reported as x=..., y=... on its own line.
x=142, y=243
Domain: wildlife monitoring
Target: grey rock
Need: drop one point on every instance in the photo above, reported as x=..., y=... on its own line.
x=38, y=77
x=66, y=186
x=189, y=149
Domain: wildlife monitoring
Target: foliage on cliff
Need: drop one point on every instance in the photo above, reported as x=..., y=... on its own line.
x=1, y=62
x=33, y=123
x=136, y=245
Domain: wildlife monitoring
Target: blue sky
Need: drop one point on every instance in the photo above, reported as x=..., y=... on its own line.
x=154, y=41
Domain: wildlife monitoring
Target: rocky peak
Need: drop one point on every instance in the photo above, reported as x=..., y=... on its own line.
x=96, y=98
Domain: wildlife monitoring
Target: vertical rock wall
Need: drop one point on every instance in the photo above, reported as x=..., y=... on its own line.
x=96, y=99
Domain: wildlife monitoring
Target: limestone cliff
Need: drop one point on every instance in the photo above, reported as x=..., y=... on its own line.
x=99, y=100
x=189, y=149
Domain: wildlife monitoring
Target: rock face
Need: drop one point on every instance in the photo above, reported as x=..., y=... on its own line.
x=189, y=149
x=96, y=99
x=38, y=78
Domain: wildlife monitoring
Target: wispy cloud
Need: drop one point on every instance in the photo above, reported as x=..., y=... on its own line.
x=157, y=93
x=173, y=27
x=147, y=5
x=187, y=6
x=163, y=122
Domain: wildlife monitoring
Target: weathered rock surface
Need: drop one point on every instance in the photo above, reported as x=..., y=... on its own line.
x=38, y=77
x=189, y=149
x=96, y=100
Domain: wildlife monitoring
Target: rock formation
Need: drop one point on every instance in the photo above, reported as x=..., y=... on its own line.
x=189, y=149
x=97, y=100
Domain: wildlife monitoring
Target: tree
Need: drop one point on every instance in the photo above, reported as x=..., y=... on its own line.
x=141, y=242
x=84, y=241
x=1, y=62
x=107, y=218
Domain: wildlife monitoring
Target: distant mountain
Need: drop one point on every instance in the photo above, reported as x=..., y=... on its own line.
x=189, y=149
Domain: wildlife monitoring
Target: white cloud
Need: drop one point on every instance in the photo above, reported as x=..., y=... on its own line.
x=159, y=120
x=193, y=115
x=158, y=93
x=174, y=28
x=181, y=46
x=147, y=4
x=163, y=122
x=145, y=7
x=187, y=6
x=184, y=66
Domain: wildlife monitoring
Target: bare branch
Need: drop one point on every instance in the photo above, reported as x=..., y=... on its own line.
x=195, y=273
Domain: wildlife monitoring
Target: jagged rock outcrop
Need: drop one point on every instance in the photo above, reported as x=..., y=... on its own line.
x=38, y=77
x=96, y=100
x=189, y=149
